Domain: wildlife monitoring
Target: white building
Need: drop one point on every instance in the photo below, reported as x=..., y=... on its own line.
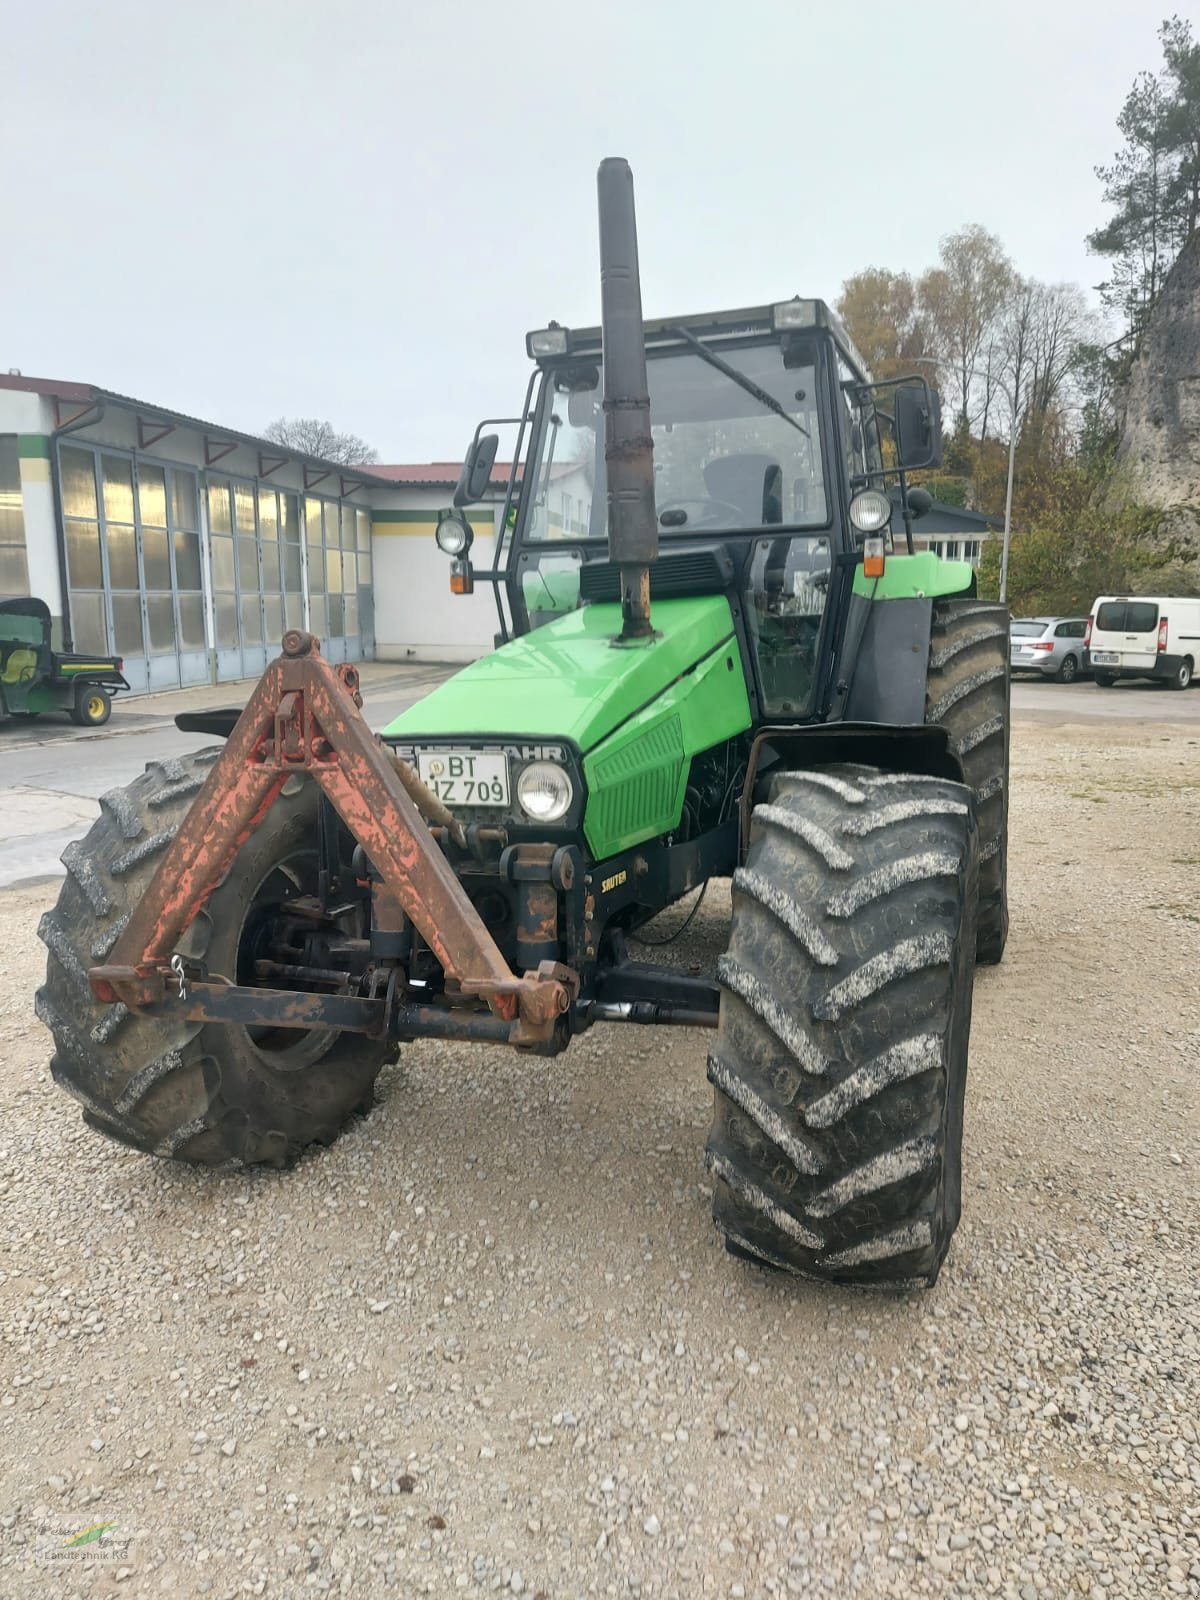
x=183, y=547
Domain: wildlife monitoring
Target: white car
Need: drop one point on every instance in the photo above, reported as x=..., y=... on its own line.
x=1152, y=636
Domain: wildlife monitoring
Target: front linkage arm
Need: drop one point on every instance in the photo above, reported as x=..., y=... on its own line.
x=304, y=716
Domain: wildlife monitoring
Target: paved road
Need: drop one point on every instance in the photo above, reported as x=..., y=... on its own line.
x=51, y=774
x=1134, y=701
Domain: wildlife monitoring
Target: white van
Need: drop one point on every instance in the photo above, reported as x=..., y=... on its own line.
x=1137, y=637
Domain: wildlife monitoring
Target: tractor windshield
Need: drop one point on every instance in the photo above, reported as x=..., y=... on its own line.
x=733, y=450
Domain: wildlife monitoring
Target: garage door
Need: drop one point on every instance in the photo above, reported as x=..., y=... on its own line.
x=133, y=564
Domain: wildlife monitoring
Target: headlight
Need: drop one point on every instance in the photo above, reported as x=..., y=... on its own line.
x=544, y=791
x=870, y=511
x=453, y=535
x=795, y=313
x=551, y=341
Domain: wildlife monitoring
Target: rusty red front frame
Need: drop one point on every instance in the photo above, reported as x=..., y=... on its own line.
x=304, y=716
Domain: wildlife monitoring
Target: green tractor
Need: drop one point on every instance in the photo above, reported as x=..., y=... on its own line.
x=715, y=659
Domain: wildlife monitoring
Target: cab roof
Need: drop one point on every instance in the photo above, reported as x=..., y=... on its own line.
x=715, y=327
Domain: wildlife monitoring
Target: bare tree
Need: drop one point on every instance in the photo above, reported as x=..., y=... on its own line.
x=963, y=298
x=311, y=437
x=1037, y=348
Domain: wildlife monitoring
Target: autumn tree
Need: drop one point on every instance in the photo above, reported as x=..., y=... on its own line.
x=312, y=437
x=883, y=317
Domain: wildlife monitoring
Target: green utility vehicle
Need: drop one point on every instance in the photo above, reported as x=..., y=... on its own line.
x=35, y=678
x=717, y=657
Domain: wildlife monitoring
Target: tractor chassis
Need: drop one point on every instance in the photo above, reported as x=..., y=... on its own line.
x=304, y=717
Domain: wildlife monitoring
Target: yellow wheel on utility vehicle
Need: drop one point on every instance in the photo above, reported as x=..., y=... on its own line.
x=93, y=705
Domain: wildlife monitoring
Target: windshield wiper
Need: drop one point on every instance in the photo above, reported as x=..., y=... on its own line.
x=740, y=378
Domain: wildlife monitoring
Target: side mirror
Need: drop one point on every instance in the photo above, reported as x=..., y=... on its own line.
x=919, y=502
x=918, y=427
x=583, y=409
x=476, y=471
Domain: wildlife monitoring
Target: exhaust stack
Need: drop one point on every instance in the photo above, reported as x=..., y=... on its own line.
x=628, y=447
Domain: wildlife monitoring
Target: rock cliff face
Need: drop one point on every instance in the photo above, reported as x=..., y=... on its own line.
x=1159, y=452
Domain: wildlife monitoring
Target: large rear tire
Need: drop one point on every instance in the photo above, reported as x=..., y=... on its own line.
x=967, y=693
x=210, y=1094
x=841, y=1057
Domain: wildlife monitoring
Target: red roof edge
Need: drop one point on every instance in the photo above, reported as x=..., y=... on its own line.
x=58, y=388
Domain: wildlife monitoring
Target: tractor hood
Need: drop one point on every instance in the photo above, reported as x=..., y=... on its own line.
x=567, y=680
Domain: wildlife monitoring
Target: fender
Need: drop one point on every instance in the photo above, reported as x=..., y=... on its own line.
x=914, y=747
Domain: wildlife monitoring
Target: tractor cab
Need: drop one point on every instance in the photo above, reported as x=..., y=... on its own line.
x=771, y=455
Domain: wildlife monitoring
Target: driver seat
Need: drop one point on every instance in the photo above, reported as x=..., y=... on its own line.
x=20, y=667
x=753, y=483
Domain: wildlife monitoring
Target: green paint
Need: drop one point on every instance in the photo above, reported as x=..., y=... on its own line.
x=31, y=698
x=906, y=577
x=33, y=446
x=88, y=1536
x=636, y=778
x=567, y=680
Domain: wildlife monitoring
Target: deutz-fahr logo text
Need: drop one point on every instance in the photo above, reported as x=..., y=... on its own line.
x=516, y=752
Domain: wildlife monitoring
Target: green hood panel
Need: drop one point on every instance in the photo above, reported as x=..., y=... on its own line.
x=566, y=680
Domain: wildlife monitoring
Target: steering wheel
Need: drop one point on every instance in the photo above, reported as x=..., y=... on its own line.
x=713, y=514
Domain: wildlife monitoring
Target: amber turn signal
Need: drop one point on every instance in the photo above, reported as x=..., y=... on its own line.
x=874, y=558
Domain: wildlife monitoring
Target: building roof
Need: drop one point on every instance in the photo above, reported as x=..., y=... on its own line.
x=83, y=396
x=942, y=517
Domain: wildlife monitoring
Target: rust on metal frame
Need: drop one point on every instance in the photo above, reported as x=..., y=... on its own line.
x=304, y=717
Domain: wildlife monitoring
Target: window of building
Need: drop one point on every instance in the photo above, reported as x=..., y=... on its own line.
x=338, y=546
x=257, y=568
x=14, y=569
x=133, y=559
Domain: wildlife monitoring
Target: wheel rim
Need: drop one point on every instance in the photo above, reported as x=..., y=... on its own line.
x=95, y=707
x=286, y=1049
x=1068, y=670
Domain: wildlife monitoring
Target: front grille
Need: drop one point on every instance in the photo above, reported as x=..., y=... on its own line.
x=636, y=787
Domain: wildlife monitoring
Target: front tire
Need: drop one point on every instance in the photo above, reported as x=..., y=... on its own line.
x=210, y=1094
x=967, y=693
x=841, y=1056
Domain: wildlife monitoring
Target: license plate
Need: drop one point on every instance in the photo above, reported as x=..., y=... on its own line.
x=1106, y=658
x=466, y=777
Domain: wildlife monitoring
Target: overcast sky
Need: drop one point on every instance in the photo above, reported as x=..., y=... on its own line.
x=356, y=211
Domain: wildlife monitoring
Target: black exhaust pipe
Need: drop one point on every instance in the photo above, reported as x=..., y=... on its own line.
x=628, y=447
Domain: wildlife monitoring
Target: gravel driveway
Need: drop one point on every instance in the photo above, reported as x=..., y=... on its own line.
x=489, y=1342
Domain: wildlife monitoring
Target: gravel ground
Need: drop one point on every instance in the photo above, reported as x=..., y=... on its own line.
x=489, y=1341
